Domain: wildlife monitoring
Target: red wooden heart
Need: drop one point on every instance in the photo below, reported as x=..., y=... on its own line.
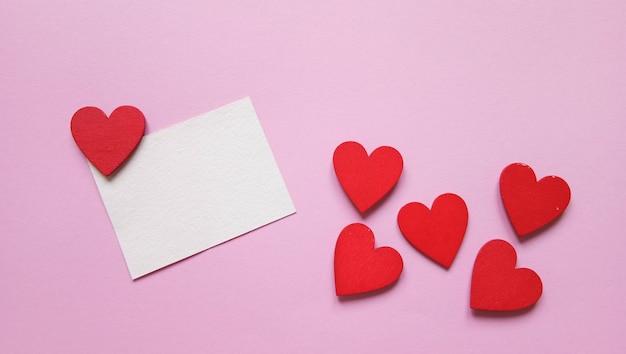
x=497, y=285
x=366, y=179
x=531, y=204
x=107, y=142
x=437, y=233
x=359, y=267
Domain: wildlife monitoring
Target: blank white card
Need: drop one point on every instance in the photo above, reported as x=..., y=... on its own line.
x=193, y=186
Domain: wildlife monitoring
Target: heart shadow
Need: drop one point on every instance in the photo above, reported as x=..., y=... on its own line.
x=502, y=314
x=350, y=298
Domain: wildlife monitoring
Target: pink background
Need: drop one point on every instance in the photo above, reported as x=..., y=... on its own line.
x=461, y=90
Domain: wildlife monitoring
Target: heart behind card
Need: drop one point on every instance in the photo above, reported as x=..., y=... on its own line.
x=107, y=142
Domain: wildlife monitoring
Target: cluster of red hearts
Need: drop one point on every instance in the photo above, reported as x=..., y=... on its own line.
x=438, y=232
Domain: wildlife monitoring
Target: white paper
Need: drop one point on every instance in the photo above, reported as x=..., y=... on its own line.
x=193, y=186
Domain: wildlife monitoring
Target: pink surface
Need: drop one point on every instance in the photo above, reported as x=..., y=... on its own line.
x=461, y=90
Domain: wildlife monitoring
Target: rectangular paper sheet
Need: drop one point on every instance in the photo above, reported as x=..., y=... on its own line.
x=193, y=186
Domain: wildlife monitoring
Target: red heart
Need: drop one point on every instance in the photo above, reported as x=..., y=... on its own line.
x=366, y=179
x=437, y=233
x=497, y=285
x=107, y=142
x=359, y=267
x=529, y=204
